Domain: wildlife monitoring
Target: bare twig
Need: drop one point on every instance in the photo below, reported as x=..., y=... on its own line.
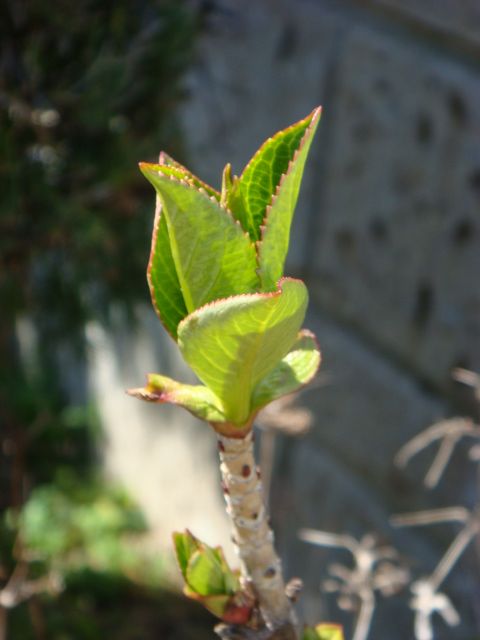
x=430, y=516
x=450, y=430
x=373, y=571
x=19, y=588
x=469, y=378
x=365, y=615
x=425, y=603
x=427, y=598
x=454, y=552
x=326, y=539
x=441, y=460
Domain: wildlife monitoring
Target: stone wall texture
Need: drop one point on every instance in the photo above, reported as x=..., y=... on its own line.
x=387, y=235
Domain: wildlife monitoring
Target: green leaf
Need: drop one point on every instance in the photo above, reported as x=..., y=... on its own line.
x=295, y=370
x=232, y=198
x=231, y=581
x=204, y=568
x=262, y=175
x=197, y=399
x=323, y=632
x=205, y=574
x=213, y=257
x=185, y=546
x=226, y=184
x=216, y=604
x=162, y=277
x=273, y=247
x=329, y=632
x=232, y=344
x=182, y=173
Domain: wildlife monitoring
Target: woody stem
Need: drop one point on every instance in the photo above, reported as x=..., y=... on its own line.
x=253, y=537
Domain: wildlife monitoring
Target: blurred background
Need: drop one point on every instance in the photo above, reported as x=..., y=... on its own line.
x=387, y=236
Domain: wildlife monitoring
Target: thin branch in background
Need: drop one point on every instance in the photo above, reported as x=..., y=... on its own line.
x=427, y=599
x=282, y=416
x=471, y=521
x=469, y=378
x=326, y=539
x=455, y=551
x=445, y=452
x=20, y=589
x=431, y=516
x=449, y=432
x=375, y=569
x=365, y=615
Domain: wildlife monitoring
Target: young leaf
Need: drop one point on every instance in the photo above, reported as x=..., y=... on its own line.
x=295, y=370
x=233, y=343
x=262, y=175
x=197, y=399
x=162, y=277
x=329, y=632
x=234, y=609
x=209, y=579
x=232, y=198
x=205, y=573
x=216, y=604
x=212, y=255
x=273, y=247
x=182, y=173
x=185, y=546
x=226, y=185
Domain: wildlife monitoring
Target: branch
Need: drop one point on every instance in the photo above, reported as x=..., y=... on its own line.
x=253, y=536
x=365, y=615
x=458, y=427
x=454, y=552
x=469, y=378
x=431, y=516
x=325, y=539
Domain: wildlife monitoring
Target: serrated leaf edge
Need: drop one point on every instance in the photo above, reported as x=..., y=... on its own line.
x=315, y=116
x=161, y=160
x=148, y=394
x=242, y=296
x=303, y=333
x=156, y=223
x=202, y=191
x=278, y=135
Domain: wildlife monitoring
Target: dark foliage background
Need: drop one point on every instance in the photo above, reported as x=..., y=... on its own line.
x=87, y=90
